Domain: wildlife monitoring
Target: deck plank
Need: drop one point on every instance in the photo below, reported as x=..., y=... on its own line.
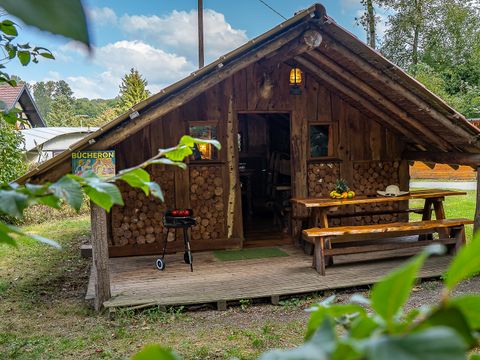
x=136, y=282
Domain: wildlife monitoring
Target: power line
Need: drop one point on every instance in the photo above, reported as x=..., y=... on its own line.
x=271, y=8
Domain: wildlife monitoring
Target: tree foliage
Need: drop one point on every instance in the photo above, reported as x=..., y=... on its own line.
x=12, y=159
x=132, y=90
x=59, y=107
x=437, y=41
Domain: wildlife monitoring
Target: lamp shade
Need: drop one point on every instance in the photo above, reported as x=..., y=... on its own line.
x=295, y=76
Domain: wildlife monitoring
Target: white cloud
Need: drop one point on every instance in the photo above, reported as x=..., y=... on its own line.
x=163, y=49
x=178, y=32
x=101, y=16
x=157, y=66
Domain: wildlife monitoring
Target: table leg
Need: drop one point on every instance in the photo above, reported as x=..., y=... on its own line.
x=426, y=215
x=321, y=220
x=440, y=215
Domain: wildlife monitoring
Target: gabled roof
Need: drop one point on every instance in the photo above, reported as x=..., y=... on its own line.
x=11, y=95
x=361, y=75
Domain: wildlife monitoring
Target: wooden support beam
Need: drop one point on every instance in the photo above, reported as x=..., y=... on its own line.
x=323, y=77
x=221, y=305
x=329, y=45
x=100, y=255
x=275, y=299
x=476, y=223
x=364, y=88
x=451, y=157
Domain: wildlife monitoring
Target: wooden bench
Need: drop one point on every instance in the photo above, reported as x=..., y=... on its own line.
x=347, y=237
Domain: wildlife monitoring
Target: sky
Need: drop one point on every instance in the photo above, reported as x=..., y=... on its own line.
x=159, y=38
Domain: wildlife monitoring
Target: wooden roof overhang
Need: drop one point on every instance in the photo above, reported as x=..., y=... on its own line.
x=362, y=76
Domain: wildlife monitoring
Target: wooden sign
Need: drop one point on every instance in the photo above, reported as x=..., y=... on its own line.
x=101, y=163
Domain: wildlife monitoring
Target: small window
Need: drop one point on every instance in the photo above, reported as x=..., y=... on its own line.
x=320, y=140
x=204, y=151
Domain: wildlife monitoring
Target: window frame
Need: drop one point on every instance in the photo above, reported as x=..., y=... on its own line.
x=332, y=130
x=214, y=123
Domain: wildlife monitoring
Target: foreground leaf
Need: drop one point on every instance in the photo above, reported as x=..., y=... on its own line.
x=13, y=202
x=60, y=17
x=469, y=305
x=390, y=294
x=440, y=343
x=308, y=351
x=136, y=178
x=465, y=264
x=70, y=190
x=450, y=317
x=318, y=316
x=155, y=352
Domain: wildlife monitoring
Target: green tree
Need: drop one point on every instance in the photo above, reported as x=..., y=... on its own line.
x=43, y=92
x=107, y=115
x=12, y=159
x=408, y=25
x=132, y=89
x=62, y=113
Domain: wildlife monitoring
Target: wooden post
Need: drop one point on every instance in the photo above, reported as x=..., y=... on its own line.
x=201, y=52
x=100, y=255
x=476, y=223
x=234, y=211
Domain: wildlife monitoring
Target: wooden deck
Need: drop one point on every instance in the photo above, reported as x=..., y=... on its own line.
x=136, y=282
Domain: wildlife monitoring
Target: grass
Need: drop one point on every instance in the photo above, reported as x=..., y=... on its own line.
x=245, y=254
x=44, y=315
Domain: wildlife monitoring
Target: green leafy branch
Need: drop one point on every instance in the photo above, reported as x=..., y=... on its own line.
x=70, y=189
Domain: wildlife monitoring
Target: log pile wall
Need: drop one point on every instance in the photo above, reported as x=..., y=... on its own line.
x=368, y=177
x=140, y=221
x=208, y=202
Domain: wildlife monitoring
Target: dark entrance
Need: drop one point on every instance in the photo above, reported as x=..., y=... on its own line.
x=265, y=176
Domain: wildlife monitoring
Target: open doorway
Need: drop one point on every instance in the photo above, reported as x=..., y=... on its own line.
x=265, y=176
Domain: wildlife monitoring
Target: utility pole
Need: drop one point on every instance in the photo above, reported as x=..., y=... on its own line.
x=201, y=55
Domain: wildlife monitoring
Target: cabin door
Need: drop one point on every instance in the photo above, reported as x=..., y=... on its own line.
x=265, y=177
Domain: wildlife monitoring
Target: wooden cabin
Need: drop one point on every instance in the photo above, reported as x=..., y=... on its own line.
x=353, y=115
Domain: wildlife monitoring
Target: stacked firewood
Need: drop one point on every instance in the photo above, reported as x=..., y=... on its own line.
x=321, y=178
x=321, y=181
x=368, y=178
x=140, y=221
x=208, y=202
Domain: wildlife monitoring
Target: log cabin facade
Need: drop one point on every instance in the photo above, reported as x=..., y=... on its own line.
x=357, y=116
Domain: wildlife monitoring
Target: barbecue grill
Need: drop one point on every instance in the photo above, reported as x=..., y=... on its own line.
x=178, y=219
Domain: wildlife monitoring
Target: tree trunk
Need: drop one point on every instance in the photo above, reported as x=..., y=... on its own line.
x=416, y=32
x=371, y=32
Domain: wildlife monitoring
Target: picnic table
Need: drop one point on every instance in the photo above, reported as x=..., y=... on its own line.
x=321, y=207
x=451, y=231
